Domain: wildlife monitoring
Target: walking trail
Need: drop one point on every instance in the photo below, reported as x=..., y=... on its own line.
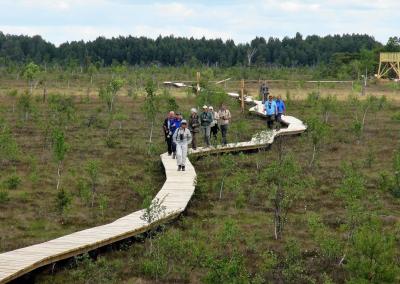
x=174, y=196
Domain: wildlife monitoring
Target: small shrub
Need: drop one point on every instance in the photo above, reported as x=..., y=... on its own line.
x=155, y=267
x=312, y=99
x=12, y=182
x=240, y=200
x=396, y=116
x=4, y=196
x=84, y=191
x=63, y=201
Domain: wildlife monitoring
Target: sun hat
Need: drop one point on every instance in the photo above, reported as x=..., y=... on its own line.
x=210, y=107
x=193, y=110
x=205, y=107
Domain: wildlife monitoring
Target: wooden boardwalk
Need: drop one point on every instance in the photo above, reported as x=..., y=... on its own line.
x=175, y=195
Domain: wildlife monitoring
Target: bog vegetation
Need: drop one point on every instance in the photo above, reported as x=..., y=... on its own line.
x=78, y=149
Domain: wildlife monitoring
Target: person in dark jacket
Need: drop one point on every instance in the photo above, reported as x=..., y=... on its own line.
x=205, y=121
x=194, y=126
x=176, y=124
x=168, y=122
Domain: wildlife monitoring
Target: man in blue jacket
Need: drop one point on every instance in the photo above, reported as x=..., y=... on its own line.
x=270, y=111
x=176, y=124
x=280, y=106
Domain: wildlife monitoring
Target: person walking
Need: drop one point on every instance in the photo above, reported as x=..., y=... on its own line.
x=270, y=111
x=205, y=121
x=194, y=127
x=182, y=138
x=281, y=109
x=214, y=123
x=224, y=116
x=168, y=122
x=175, y=125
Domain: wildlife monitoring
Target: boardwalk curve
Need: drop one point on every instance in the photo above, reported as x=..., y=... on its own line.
x=175, y=195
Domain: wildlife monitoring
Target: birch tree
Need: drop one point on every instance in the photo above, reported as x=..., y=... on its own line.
x=285, y=185
x=60, y=148
x=31, y=71
x=151, y=108
x=317, y=132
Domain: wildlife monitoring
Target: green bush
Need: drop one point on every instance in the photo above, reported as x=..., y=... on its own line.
x=227, y=269
x=396, y=116
x=9, y=150
x=12, y=182
x=154, y=267
x=372, y=258
x=4, y=196
x=312, y=99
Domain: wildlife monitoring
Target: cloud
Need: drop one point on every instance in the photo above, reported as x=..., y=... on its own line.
x=66, y=20
x=292, y=6
x=174, y=9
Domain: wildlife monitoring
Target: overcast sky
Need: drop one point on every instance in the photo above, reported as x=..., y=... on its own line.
x=66, y=20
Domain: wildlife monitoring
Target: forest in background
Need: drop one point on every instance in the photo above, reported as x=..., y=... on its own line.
x=336, y=56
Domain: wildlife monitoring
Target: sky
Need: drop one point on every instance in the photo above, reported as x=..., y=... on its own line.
x=59, y=21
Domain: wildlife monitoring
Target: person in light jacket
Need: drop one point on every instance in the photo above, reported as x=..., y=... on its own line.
x=270, y=111
x=224, y=118
x=182, y=138
x=214, y=124
x=194, y=127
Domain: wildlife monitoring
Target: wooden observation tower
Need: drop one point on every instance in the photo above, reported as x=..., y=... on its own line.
x=389, y=61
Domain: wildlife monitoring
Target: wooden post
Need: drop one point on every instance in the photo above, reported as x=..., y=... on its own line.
x=198, y=83
x=242, y=95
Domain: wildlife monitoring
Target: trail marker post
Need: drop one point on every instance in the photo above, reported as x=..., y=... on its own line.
x=242, y=95
x=198, y=83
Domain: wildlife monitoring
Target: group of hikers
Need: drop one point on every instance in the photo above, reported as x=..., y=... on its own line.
x=274, y=109
x=179, y=132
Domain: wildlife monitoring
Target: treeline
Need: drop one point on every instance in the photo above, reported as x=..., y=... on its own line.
x=177, y=51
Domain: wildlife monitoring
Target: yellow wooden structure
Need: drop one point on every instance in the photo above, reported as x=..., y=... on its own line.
x=389, y=61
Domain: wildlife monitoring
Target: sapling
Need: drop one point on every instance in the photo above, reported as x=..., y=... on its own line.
x=317, y=132
x=63, y=202
x=60, y=148
x=372, y=257
x=13, y=94
x=328, y=105
x=150, y=108
x=120, y=117
x=329, y=244
x=92, y=170
x=352, y=192
x=25, y=105
x=103, y=203
x=285, y=185
x=227, y=164
x=31, y=72
x=109, y=94
x=92, y=70
x=370, y=105
x=153, y=212
x=9, y=149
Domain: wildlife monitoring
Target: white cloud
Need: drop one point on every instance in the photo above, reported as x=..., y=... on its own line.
x=66, y=20
x=57, y=5
x=291, y=6
x=174, y=9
